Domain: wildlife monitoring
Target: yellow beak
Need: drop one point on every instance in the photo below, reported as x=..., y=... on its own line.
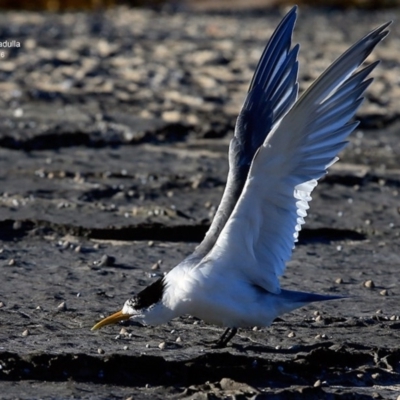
x=112, y=319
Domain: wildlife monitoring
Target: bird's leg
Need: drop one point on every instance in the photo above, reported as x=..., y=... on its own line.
x=225, y=338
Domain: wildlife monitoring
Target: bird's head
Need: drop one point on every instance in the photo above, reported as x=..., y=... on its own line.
x=146, y=307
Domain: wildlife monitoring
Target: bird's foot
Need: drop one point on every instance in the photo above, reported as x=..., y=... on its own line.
x=224, y=339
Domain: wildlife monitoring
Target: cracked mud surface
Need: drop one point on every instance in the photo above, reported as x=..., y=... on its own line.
x=113, y=156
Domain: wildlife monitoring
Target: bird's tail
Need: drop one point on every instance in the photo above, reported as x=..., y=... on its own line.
x=303, y=298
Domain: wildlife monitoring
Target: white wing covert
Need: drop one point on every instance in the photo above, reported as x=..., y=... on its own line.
x=259, y=236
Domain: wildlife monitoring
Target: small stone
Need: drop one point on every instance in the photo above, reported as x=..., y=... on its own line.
x=78, y=249
x=147, y=346
x=316, y=313
x=62, y=306
x=155, y=266
x=178, y=340
x=291, y=334
x=318, y=318
x=375, y=376
x=360, y=376
x=393, y=318
x=1, y=304
x=39, y=308
x=317, y=383
x=378, y=312
x=150, y=243
x=100, y=351
x=369, y=284
x=123, y=332
x=106, y=261
x=25, y=332
x=339, y=281
x=383, y=292
x=17, y=225
x=11, y=262
x=125, y=347
x=318, y=337
x=162, y=345
x=255, y=328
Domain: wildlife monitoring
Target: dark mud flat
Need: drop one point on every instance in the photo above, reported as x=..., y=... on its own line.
x=113, y=156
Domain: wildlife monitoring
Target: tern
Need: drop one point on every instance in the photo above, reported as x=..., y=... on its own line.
x=281, y=147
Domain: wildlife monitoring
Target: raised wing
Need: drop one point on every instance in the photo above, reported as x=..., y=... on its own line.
x=272, y=92
x=260, y=234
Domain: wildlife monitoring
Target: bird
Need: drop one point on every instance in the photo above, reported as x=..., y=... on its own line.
x=282, y=145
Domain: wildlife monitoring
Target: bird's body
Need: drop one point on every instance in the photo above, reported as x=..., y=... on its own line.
x=280, y=149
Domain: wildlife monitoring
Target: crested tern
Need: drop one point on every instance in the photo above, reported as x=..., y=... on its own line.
x=280, y=148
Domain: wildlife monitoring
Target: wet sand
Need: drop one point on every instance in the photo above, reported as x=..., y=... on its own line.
x=113, y=157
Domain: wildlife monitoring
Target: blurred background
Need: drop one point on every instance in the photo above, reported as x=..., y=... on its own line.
x=59, y=5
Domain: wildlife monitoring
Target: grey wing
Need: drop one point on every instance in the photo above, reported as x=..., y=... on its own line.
x=272, y=92
x=274, y=202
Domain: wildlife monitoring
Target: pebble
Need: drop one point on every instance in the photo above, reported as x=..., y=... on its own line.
x=162, y=345
x=11, y=262
x=318, y=318
x=25, y=332
x=318, y=383
x=369, y=284
x=62, y=306
x=339, y=281
x=255, y=328
x=393, y=318
x=17, y=225
x=291, y=334
x=100, y=351
x=125, y=347
x=78, y=249
x=123, y=332
x=150, y=243
x=383, y=292
x=1, y=304
x=156, y=266
x=375, y=376
x=178, y=339
x=106, y=261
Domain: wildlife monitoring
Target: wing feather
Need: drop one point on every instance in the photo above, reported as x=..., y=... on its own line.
x=272, y=92
x=259, y=236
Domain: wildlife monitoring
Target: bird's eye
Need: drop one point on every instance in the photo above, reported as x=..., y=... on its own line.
x=133, y=302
